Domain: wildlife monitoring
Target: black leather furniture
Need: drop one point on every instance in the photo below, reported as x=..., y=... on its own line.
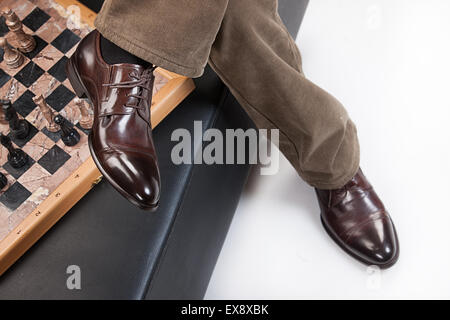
x=125, y=253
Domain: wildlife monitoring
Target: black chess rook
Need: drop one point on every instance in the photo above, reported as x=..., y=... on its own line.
x=16, y=157
x=69, y=135
x=19, y=127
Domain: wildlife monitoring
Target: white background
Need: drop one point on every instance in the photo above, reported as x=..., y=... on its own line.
x=388, y=61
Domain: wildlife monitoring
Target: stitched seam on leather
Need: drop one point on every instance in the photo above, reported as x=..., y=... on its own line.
x=160, y=261
x=121, y=149
x=106, y=114
x=348, y=234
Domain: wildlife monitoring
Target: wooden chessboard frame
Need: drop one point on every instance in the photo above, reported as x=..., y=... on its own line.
x=67, y=194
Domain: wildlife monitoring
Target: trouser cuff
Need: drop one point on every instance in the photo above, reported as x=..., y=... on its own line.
x=341, y=181
x=142, y=51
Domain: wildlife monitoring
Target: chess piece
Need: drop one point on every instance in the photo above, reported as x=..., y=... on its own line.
x=19, y=127
x=3, y=181
x=47, y=113
x=16, y=157
x=87, y=119
x=13, y=58
x=69, y=135
x=2, y=113
x=27, y=43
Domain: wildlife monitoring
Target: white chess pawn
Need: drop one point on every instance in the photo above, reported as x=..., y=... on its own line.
x=87, y=119
x=47, y=113
x=13, y=58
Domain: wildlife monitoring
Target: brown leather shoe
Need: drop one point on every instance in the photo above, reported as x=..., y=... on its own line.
x=121, y=137
x=357, y=221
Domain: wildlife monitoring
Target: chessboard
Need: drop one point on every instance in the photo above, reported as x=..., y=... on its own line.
x=55, y=175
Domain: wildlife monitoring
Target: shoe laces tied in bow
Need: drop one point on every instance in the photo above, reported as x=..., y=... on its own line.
x=141, y=81
x=337, y=195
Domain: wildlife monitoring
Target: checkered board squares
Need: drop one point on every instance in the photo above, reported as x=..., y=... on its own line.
x=3, y=28
x=50, y=162
x=14, y=196
x=4, y=77
x=36, y=19
x=65, y=41
x=60, y=97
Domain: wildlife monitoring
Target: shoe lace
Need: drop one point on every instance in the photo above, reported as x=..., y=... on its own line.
x=342, y=192
x=141, y=81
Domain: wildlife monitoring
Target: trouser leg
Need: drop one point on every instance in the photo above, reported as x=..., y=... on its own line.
x=252, y=52
x=259, y=61
x=176, y=35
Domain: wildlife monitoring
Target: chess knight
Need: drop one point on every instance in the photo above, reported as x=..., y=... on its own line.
x=248, y=46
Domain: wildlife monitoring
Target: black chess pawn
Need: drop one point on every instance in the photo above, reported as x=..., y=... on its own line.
x=69, y=135
x=3, y=181
x=16, y=157
x=19, y=127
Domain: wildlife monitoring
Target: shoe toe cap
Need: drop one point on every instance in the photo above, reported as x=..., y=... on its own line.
x=136, y=176
x=376, y=243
